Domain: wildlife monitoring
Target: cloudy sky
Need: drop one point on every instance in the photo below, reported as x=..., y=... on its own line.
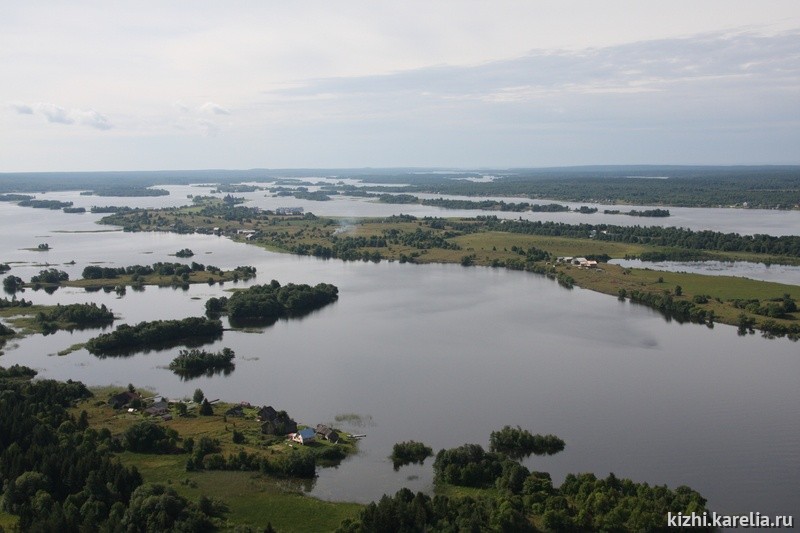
x=145, y=85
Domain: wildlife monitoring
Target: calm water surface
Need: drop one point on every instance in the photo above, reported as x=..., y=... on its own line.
x=777, y=273
x=445, y=355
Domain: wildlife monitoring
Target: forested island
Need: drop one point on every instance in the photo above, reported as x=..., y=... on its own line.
x=129, y=191
x=137, y=276
x=155, y=334
x=267, y=303
x=46, y=319
x=195, y=363
x=404, y=453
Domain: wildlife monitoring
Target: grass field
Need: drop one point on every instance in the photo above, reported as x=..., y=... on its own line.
x=253, y=499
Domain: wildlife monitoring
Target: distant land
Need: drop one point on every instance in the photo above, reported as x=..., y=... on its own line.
x=767, y=186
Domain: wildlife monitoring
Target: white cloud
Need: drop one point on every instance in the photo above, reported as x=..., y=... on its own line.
x=215, y=109
x=94, y=119
x=22, y=109
x=56, y=114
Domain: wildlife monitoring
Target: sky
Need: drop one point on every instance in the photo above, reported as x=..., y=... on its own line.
x=111, y=85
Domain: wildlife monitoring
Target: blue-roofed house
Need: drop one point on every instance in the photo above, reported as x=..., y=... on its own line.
x=304, y=436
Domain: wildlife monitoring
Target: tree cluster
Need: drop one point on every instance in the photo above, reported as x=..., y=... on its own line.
x=77, y=315
x=195, y=363
x=12, y=284
x=45, y=204
x=518, y=442
x=404, y=453
x=272, y=301
x=154, y=334
x=788, y=245
x=50, y=275
x=523, y=499
x=774, y=308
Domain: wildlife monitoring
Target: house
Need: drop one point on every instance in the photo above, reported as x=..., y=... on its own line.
x=289, y=211
x=304, y=436
x=267, y=413
x=118, y=401
x=327, y=433
x=158, y=409
x=236, y=410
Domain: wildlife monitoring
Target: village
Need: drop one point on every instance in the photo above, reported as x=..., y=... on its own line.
x=271, y=423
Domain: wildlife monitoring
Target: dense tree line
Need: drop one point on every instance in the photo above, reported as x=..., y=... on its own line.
x=130, y=191
x=74, y=210
x=272, y=301
x=155, y=334
x=57, y=474
x=523, y=501
x=649, y=213
x=346, y=248
x=671, y=255
x=111, y=209
x=22, y=302
x=787, y=245
x=45, y=204
x=50, y=275
x=149, y=437
x=160, y=269
x=774, y=308
x=518, y=442
x=316, y=196
x=15, y=197
x=765, y=187
x=195, y=363
x=485, y=205
x=422, y=239
x=298, y=463
x=184, y=252
x=582, y=503
x=238, y=188
x=469, y=465
x=668, y=305
x=74, y=315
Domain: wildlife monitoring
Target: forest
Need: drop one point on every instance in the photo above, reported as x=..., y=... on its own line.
x=58, y=474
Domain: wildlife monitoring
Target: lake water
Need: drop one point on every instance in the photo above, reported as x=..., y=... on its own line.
x=760, y=271
x=445, y=355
